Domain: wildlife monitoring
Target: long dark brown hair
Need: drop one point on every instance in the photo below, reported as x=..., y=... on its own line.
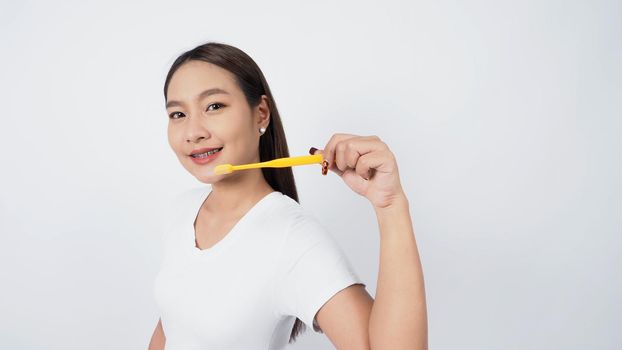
x=272, y=144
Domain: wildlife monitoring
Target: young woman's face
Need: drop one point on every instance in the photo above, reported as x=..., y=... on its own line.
x=207, y=109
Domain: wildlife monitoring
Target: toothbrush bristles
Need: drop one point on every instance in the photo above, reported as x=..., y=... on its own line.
x=223, y=169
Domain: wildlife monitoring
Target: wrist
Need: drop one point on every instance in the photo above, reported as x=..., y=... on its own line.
x=397, y=204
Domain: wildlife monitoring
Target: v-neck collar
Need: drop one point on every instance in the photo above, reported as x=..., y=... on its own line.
x=233, y=232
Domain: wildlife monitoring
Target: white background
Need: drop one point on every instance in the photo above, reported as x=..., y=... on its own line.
x=505, y=118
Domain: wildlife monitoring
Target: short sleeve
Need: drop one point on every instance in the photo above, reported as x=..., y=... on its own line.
x=313, y=268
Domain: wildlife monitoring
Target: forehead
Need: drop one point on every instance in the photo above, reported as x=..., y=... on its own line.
x=193, y=77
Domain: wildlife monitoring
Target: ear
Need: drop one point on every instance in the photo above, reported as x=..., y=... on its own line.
x=263, y=112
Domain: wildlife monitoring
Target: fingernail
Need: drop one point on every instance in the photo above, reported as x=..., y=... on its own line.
x=312, y=150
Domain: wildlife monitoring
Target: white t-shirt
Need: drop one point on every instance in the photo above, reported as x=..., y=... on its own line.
x=245, y=292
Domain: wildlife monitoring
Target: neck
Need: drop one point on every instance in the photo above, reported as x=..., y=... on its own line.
x=237, y=191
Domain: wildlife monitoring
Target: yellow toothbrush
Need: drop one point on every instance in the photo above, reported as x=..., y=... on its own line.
x=275, y=163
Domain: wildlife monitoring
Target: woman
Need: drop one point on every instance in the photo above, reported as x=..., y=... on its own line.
x=255, y=265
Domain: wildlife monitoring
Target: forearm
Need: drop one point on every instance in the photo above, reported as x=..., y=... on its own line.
x=398, y=318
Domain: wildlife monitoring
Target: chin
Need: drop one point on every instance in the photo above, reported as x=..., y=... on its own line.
x=208, y=179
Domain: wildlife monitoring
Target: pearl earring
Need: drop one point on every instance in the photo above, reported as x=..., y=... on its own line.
x=262, y=130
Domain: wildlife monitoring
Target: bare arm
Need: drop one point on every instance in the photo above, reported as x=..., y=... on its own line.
x=398, y=317
x=158, y=339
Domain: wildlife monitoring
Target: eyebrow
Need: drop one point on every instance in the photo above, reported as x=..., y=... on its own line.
x=208, y=92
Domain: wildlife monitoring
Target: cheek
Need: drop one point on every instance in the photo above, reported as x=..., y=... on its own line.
x=235, y=130
x=243, y=139
x=173, y=139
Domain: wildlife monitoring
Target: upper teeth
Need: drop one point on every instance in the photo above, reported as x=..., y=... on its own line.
x=205, y=154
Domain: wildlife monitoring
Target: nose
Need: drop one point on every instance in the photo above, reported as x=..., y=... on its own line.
x=195, y=130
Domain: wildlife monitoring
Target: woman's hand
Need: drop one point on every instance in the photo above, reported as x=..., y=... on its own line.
x=367, y=165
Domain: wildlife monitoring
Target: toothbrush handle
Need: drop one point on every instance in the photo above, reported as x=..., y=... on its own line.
x=283, y=162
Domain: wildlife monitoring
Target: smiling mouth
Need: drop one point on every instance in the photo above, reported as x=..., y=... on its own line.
x=206, y=154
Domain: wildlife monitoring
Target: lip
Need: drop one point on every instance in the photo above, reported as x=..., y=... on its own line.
x=203, y=150
x=206, y=159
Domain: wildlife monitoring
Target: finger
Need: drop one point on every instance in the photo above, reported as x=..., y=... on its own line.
x=382, y=160
x=357, y=147
x=331, y=167
x=353, y=178
x=340, y=155
x=333, y=155
x=364, y=166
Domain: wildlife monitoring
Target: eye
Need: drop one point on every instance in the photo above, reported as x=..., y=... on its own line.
x=215, y=104
x=172, y=115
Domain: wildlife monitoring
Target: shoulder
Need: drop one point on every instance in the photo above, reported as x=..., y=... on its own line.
x=302, y=230
x=300, y=220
